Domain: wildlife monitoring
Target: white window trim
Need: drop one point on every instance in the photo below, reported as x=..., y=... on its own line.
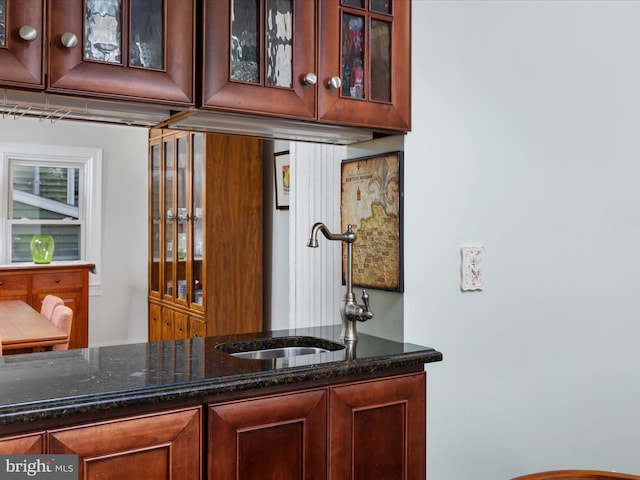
x=91, y=160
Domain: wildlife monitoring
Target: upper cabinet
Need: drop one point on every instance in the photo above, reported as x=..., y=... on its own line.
x=335, y=61
x=257, y=54
x=21, y=43
x=134, y=49
x=365, y=63
x=329, y=62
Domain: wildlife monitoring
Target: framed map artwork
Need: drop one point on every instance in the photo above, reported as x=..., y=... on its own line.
x=372, y=202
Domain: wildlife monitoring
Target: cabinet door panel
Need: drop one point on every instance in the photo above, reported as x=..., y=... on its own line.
x=378, y=429
x=32, y=443
x=122, y=64
x=155, y=322
x=20, y=59
x=14, y=286
x=362, y=45
x=273, y=437
x=159, y=446
x=257, y=61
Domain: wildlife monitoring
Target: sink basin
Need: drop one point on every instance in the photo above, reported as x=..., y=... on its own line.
x=279, y=347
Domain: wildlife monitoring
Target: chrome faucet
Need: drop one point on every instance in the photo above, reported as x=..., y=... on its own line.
x=350, y=310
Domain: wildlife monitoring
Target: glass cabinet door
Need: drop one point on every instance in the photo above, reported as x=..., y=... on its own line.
x=362, y=43
x=180, y=258
x=257, y=55
x=136, y=49
x=197, y=220
x=156, y=218
x=169, y=218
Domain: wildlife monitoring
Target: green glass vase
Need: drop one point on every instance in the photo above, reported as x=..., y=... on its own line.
x=42, y=247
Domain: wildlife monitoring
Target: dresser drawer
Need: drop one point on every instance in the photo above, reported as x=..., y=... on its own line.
x=56, y=281
x=13, y=284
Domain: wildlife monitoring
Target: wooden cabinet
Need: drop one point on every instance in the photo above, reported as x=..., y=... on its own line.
x=130, y=50
x=69, y=282
x=367, y=45
x=361, y=430
x=377, y=429
x=160, y=446
x=335, y=61
x=31, y=443
x=255, y=58
x=282, y=436
x=22, y=43
x=205, y=265
x=373, y=429
x=127, y=49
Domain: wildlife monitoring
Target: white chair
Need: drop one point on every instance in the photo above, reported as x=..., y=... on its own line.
x=62, y=318
x=49, y=304
x=578, y=475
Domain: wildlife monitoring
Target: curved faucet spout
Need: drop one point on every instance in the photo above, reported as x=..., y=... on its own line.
x=349, y=236
x=350, y=310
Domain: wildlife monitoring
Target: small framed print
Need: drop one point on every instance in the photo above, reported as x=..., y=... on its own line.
x=282, y=175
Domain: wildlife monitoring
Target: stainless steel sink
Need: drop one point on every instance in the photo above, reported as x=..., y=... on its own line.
x=278, y=347
x=281, y=352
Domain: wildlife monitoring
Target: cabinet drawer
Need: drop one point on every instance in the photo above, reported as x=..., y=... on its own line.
x=57, y=280
x=12, y=284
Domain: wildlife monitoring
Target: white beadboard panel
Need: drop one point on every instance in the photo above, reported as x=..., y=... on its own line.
x=315, y=274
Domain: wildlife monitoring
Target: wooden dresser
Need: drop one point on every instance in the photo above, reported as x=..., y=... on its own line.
x=69, y=281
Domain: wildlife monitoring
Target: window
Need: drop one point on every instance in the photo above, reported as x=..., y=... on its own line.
x=54, y=191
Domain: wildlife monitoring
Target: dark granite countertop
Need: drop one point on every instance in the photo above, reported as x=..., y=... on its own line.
x=50, y=385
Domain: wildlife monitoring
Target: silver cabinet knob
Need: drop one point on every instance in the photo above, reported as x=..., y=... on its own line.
x=28, y=33
x=69, y=39
x=310, y=79
x=335, y=82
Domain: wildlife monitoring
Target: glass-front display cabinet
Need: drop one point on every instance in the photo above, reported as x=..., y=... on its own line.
x=259, y=56
x=135, y=49
x=365, y=63
x=176, y=224
x=205, y=241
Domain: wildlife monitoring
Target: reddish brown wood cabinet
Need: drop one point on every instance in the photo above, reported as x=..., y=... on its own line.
x=133, y=50
x=361, y=430
x=282, y=436
x=159, y=446
x=22, y=45
x=31, y=443
x=69, y=282
x=335, y=61
x=376, y=429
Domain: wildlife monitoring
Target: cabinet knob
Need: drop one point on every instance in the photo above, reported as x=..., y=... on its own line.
x=310, y=79
x=335, y=82
x=28, y=33
x=69, y=39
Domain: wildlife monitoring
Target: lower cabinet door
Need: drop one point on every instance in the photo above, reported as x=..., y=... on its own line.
x=377, y=429
x=151, y=447
x=276, y=437
x=32, y=443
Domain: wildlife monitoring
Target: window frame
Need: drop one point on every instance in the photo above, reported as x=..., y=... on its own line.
x=90, y=201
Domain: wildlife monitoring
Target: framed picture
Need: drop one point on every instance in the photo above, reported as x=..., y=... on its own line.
x=283, y=179
x=372, y=203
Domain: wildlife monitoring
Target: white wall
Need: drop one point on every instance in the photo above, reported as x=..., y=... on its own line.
x=119, y=314
x=525, y=139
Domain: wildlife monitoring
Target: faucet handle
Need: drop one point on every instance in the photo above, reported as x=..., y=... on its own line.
x=368, y=314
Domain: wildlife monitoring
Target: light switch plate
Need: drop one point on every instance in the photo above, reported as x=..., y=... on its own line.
x=472, y=268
